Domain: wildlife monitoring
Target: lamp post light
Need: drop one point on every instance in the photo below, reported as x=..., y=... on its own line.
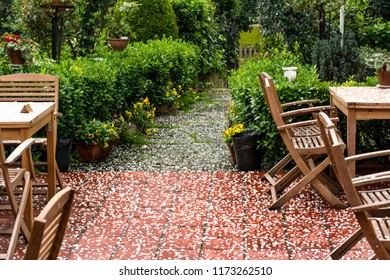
x=58, y=11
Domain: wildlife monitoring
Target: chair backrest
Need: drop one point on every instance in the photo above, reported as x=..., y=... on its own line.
x=271, y=97
x=335, y=148
x=296, y=138
x=30, y=88
x=49, y=227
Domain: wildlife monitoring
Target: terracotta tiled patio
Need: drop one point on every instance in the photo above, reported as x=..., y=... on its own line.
x=196, y=216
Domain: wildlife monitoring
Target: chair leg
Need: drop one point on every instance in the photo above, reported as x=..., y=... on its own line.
x=341, y=250
x=59, y=177
x=310, y=176
x=20, y=223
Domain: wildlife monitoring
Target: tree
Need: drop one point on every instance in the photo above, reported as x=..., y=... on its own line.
x=196, y=22
x=91, y=24
x=322, y=8
x=233, y=16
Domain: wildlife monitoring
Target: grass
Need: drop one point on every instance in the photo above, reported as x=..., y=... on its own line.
x=251, y=37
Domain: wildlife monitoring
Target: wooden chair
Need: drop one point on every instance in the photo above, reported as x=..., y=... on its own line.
x=32, y=88
x=371, y=206
x=49, y=227
x=305, y=146
x=10, y=180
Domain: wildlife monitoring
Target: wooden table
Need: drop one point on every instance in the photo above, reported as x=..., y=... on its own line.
x=360, y=103
x=17, y=125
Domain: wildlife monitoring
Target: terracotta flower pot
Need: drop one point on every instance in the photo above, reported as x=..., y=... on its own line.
x=92, y=152
x=15, y=57
x=384, y=78
x=118, y=44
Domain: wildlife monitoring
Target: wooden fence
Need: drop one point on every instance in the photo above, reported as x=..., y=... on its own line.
x=246, y=52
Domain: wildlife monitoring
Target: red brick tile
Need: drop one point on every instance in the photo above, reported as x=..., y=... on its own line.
x=210, y=254
x=182, y=254
x=217, y=243
x=268, y=254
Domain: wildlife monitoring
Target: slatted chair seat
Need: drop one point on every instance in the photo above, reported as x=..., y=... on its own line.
x=382, y=229
x=310, y=130
x=314, y=143
x=305, y=146
x=368, y=200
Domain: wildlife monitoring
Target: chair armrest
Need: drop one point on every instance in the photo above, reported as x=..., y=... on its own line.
x=297, y=124
x=303, y=123
x=371, y=206
x=368, y=155
x=305, y=111
x=19, y=150
x=301, y=102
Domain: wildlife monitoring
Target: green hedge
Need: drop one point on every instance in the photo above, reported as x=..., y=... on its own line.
x=91, y=88
x=250, y=107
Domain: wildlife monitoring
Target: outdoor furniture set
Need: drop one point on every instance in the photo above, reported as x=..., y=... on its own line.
x=28, y=104
x=315, y=146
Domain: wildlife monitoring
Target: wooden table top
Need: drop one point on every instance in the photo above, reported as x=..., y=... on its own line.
x=362, y=97
x=11, y=114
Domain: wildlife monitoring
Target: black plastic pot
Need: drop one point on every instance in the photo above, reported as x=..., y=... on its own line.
x=247, y=155
x=63, y=151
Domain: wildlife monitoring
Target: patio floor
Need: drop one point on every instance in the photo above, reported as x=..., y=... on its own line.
x=194, y=216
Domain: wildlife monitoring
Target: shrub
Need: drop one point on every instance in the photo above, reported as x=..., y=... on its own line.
x=153, y=19
x=335, y=63
x=377, y=35
x=145, y=70
x=196, y=24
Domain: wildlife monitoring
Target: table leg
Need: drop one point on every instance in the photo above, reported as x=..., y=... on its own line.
x=51, y=160
x=351, y=140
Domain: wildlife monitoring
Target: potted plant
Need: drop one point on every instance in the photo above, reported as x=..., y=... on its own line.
x=380, y=61
x=19, y=49
x=94, y=139
x=228, y=134
x=142, y=116
x=118, y=27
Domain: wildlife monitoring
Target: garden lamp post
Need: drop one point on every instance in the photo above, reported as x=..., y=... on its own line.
x=58, y=11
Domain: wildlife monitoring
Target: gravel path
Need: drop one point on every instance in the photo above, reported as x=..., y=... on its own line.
x=185, y=141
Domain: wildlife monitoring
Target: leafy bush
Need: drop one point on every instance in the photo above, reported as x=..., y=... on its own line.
x=377, y=35
x=336, y=63
x=145, y=70
x=197, y=26
x=250, y=107
x=153, y=19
